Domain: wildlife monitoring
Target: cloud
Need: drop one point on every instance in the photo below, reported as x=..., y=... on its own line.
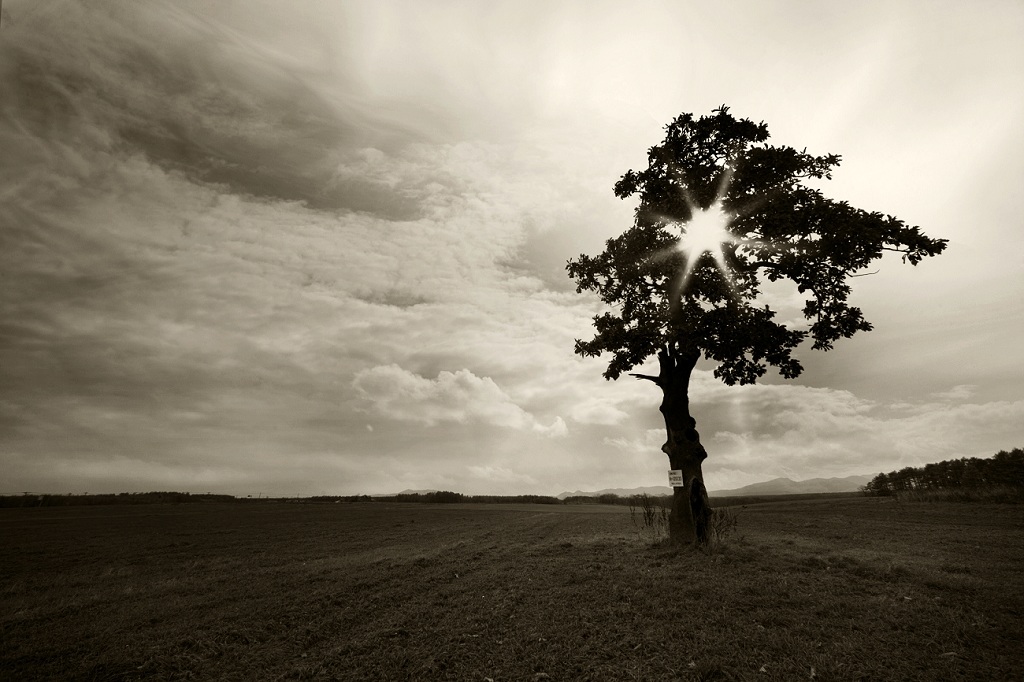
x=597, y=411
x=194, y=96
x=229, y=234
x=501, y=475
x=141, y=289
x=460, y=396
x=784, y=430
x=958, y=393
x=757, y=432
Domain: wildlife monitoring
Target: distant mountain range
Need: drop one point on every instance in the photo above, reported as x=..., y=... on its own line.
x=786, y=486
x=405, y=492
x=776, y=486
x=621, y=492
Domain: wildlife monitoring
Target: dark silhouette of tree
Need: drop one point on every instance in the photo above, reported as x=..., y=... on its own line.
x=720, y=211
x=879, y=485
x=1002, y=471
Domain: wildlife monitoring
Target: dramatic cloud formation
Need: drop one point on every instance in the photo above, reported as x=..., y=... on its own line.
x=319, y=247
x=397, y=394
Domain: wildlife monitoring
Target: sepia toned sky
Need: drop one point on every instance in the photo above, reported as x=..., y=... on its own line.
x=314, y=247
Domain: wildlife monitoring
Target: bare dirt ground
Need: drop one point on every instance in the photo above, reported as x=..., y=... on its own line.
x=851, y=589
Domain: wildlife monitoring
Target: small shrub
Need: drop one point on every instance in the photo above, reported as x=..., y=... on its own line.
x=649, y=516
x=724, y=522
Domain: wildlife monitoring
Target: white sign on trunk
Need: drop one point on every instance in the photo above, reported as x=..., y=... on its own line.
x=675, y=478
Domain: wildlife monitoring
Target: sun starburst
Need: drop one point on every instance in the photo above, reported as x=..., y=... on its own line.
x=704, y=235
x=707, y=234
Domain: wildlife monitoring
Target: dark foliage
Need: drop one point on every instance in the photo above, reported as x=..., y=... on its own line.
x=448, y=497
x=781, y=228
x=515, y=499
x=34, y=500
x=1004, y=470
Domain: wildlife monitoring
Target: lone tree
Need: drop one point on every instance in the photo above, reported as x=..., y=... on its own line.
x=721, y=210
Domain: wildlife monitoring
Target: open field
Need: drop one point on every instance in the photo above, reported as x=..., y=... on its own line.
x=849, y=589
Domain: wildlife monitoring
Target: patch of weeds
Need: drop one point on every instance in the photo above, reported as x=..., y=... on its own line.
x=649, y=516
x=710, y=674
x=424, y=562
x=745, y=554
x=723, y=524
x=896, y=571
x=959, y=584
x=843, y=561
x=815, y=562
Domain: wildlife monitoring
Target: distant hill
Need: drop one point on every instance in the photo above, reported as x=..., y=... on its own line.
x=405, y=492
x=621, y=492
x=787, y=486
x=776, y=486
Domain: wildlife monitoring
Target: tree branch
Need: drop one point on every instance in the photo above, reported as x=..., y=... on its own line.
x=763, y=264
x=648, y=377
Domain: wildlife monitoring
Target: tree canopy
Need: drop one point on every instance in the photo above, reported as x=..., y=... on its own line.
x=1004, y=470
x=720, y=212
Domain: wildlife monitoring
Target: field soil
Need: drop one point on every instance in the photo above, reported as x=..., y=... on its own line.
x=848, y=589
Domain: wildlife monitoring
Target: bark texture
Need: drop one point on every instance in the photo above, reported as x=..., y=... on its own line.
x=691, y=512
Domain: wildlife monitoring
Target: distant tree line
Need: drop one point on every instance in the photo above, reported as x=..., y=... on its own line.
x=448, y=497
x=46, y=500
x=1004, y=471
x=436, y=497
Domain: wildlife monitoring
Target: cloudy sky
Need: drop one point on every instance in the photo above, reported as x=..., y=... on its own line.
x=318, y=247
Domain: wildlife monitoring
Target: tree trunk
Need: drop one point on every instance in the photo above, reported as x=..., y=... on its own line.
x=691, y=512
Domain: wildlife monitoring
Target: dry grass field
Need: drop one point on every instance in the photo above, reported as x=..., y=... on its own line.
x=849, y=589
